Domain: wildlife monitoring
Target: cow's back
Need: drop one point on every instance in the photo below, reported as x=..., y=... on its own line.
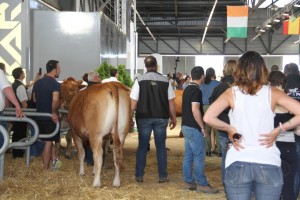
x=95, y=109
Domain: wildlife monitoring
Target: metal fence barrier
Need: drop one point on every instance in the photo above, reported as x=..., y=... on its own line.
x=26, y=142
x=23, y=145
x=26, y=110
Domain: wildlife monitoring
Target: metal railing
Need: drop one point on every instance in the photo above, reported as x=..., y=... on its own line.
x=25, y=143
x=22, y=145
x=33, y=110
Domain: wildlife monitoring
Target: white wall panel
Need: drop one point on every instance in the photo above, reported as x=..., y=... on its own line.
x=72, y=38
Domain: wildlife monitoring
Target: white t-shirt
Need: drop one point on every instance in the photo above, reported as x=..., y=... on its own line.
x=111, y=79
x=3, y=84
x=252, y=115
x=135, y=91
x=21, y=93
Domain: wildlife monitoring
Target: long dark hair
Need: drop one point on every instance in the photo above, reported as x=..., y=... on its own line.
x=210, y=75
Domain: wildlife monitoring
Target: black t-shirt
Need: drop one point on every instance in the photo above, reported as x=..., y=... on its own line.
x=191, y=94
x=43, y=90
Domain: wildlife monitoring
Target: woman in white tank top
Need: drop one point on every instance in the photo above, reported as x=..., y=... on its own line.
x=253, y=162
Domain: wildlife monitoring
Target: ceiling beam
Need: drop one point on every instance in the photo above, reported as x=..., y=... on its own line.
x=142, y=41
x=176, y=9
x=168, y=45
x=197, y=2
x=191, y=45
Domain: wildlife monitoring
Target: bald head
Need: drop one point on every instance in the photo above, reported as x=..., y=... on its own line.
x=150, y=62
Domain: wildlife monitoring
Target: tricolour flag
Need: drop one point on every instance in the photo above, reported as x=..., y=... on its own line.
x=291, y=27
x=237, y=21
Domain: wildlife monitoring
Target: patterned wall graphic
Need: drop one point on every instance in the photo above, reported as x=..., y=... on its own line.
x=10, y=35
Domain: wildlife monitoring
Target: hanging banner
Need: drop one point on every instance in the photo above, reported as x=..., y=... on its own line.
x=237, y=21
x=291, y=27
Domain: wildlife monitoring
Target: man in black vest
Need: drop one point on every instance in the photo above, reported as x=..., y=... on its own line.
x=152, y=97
x=20, y=128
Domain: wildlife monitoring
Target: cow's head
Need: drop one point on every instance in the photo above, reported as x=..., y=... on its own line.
x=69, y=88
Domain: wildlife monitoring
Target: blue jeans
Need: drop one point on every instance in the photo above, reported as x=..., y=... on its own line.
x=297, y=177
x=223, y=141
x=145, y=127
x=37, y=147
x=194, y=145
x=242, y=178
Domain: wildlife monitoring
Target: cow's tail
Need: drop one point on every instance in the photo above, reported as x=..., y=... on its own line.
x=118, y=152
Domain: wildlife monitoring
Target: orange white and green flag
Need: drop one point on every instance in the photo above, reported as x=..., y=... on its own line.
x=237, y=21
x=291, y=27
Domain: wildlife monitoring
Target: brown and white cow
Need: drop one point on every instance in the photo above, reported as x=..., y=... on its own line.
x=69, y=88
x=178, y=102
x=95, y=112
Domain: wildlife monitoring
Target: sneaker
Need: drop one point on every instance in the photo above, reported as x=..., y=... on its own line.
x=163, y=180
x=139, y=179
x=56, y=164
x=207, y=189
x=190, y=186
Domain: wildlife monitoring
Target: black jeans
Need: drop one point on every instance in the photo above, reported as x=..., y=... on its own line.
x=288, y=165
x=20, y=132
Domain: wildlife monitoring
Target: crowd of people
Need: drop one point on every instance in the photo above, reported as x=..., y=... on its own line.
x=250, y=118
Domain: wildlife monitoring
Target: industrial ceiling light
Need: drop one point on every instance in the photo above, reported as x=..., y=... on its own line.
x=255, y=37
x=137, y=13
x=277, y=20
x=262, y=30
x=285, y=14
x=208, y=21
x=227, y=40
x=48, y=5
x=269, y=25
x=257, y=29
x=298, y=41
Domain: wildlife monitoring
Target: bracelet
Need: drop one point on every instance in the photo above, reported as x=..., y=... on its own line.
x=279, y=130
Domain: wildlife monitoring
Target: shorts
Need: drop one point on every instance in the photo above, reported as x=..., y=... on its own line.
x=47, y=127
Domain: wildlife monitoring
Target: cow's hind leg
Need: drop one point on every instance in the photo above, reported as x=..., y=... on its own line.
x=80, y=150
x=96, y=146
x=118, y=157
x=69, y=145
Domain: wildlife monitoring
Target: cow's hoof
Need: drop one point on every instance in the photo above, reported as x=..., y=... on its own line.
x=96, y=184
x=116, y=182
x=81, y=173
